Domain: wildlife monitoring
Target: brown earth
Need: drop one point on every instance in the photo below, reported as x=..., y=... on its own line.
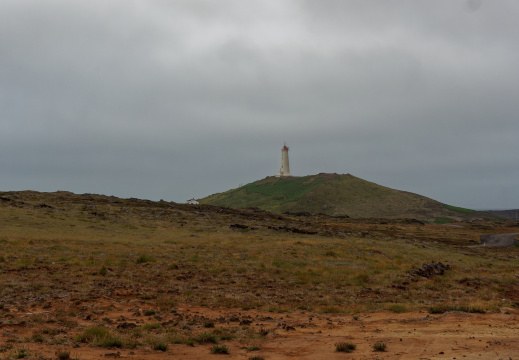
x=159, y=276
x=298, y=335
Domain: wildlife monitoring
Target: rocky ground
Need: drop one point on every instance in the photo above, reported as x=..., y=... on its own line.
x=265, y=335
x=91, y=277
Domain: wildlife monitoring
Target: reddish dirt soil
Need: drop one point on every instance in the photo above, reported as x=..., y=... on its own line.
x=305, y=335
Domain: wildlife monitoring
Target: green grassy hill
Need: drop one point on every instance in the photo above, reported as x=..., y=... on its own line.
x=336, y=195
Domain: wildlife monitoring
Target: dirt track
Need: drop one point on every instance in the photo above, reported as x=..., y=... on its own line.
x=499, y=240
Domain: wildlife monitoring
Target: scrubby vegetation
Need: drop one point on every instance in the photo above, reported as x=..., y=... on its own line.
x=459, y=209
x=379, y=347
x=116, y=271
x=345, y=347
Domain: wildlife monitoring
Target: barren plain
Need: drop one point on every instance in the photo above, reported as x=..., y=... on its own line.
x=90, y=276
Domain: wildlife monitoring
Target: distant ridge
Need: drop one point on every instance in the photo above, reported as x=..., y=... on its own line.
x=339, y=195
x=509, y=214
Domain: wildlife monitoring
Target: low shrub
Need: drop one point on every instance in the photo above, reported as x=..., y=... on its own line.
x=63, y=355
x=220, y=349
x=151, y=326
x=263, y=332
x=225, y=333
x=331, y=253
x=345, y=347
x=398, y=308
x=440, y=309
x=144, y=259
x=99, y=336
x=379, y=347
x=38, y=337
x=93, y=334
x=160, y=347
x=206, y=337
x=22, y=353
x=103, y=271
x=111, y=342
x=332, y=310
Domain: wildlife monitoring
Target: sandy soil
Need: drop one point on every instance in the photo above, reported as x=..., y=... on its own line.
x=304, y=335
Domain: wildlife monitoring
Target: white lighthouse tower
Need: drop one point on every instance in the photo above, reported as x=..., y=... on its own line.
x=285, y=168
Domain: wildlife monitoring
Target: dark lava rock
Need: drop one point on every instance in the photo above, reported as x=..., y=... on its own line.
x=431, y=269
x=126, y=325
x=45, y=206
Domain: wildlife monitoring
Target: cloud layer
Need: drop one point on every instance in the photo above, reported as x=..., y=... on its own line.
x=172, y=100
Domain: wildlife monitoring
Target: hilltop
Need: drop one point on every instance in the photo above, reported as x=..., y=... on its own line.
x=338, y=195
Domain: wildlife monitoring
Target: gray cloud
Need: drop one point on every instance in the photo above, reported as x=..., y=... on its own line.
x=160, y=99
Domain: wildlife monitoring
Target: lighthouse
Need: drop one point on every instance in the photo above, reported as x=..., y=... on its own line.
x=285, y=168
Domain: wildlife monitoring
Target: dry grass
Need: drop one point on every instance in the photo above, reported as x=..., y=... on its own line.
x=94, y=249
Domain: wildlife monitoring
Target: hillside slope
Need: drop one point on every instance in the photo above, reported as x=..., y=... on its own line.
x=337, y=195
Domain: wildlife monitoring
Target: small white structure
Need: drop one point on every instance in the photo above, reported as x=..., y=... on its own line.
x=285, y=168
x=193, y=201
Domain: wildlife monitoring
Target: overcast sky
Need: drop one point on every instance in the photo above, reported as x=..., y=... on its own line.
x=170, y=100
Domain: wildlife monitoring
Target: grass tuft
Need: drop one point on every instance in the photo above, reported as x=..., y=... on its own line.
x=144, y=259
x=443, y=308
x=398, y=308
x=38, y=337
x=111, y=342
x=160, y=347
x=93, y=334
x=63, y=355
x=379, y=347
x=220, y=349
x=21, y=353
x=345, y=347
x=206, y=337
x=254, y=348
x=103, y=271
x=100, y=337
